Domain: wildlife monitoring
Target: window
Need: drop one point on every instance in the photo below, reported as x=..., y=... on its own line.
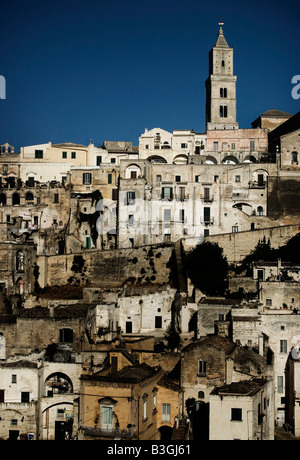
x=167, y=193
x=223, y=111
x=106, y=416
x=114, y=194
x=237, y=178
x=233, y=146
x=38, y=154
x=236, y=414
x=183, y=146
x=109, y=178
x=202, y=367
x=283, y=346
x=154, y=399
x=73, y=155
x=98, y=160
x=294, y=157
x=130, y=198
x=131, y=220
x=2, y=396
x=64, y=155
x=56, y=198
x=269, y=302
x=14, y=422
x=223, y=92
x=216, y=146
x=86, y=178
x=235, y=229
x=166, y=412
x=260, y=211
x=261, y=274
x=66, y=335
x=167, y=215
x=201, y=395
x=181, y=216
x=260, y=180
x=145, y=398
x=5, y=169
x=252, y=146
x=177, y=178
x=206, y=214
x=113, y=160
x=14, y=378
x=280, y=384
x=206, y=194
x=25, y=395
x=128, y=327
x=223, y=63
x=206, y=232
x=158, y=178
x=158, y=322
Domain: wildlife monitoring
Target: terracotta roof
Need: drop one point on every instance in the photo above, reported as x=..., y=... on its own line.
x=19, y=364
x=276, y=113
x=222, y=343
x=130, y=374
x=245, y=388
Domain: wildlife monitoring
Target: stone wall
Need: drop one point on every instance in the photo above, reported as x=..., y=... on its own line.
x=238, y=245
x=147, y=264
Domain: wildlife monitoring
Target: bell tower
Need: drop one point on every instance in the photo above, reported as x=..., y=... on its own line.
x=221, y=86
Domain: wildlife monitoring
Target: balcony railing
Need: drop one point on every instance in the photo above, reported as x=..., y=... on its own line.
x=207, y=221
x=108, y=434
x=257, y=184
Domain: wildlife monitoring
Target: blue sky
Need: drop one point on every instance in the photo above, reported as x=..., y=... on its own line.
x=108, y=69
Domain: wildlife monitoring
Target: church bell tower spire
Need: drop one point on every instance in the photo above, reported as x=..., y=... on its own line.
x=221, y=86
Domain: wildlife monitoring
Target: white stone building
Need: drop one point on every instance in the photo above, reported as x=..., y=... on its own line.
x=242, y=411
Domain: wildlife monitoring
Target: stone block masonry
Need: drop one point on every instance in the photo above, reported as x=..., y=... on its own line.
x=147, y=264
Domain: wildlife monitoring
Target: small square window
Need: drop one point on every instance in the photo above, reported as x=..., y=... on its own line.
x=236, y=414
x=64, y=155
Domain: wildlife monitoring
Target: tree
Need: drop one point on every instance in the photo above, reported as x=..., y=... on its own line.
x=207, y=268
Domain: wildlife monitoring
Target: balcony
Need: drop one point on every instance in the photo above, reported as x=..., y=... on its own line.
x=207, y=221
x=208, y=199
x=99, y=433
x=257, y=184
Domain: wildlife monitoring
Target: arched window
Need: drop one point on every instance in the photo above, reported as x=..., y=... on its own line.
x=107, y=413
x=15, y=199
x=29, y=198
x=223, y=92
x=223, y=111
x=201, y=395
x=260, y=211
x=58, y=383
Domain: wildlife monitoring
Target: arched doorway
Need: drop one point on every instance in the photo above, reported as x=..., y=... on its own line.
x=165, y=433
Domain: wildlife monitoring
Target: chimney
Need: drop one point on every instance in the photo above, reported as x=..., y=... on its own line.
x=229, y=371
